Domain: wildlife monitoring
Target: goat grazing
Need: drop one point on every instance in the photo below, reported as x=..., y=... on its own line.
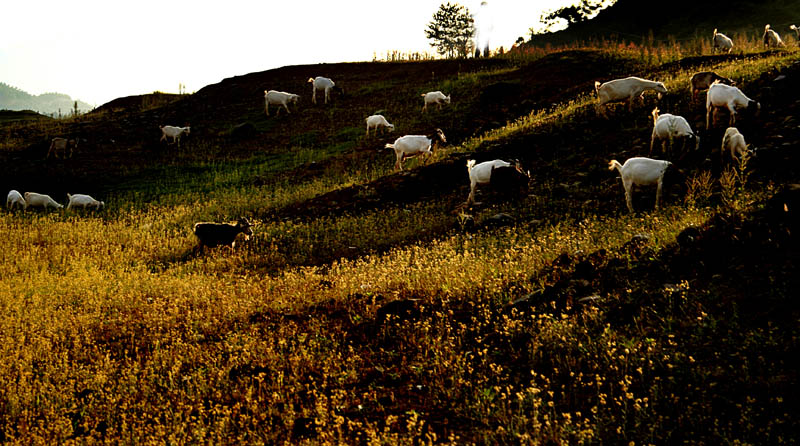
x=216, y=234
x=627, y=89
x=435, y=97
x=733, y=142
x=702, y=80
x=410, y=146
x=321, y=83
x=771, y=38
x=667, y=129
x=378, y=121
x=502, y=176
x=721, y=41
x=174, y=133
x=84, y=201
x=279, y=98
x=721, y=95
x=15, y=200
x=640, y=171
x=32, y=199
x=61, y=145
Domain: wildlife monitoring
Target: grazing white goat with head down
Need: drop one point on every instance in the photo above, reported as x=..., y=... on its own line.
x=733, y=142
x=61, y=145
x=378, y=121
x=279, y=98
x=84, y=201
x=721, y=95
x=721, y=41
x=435, y=97
x=174, y=133
x=410, y=146
x=15, y=199
x=702, y=80
x=640, y=171
x=771, y=38
x=41, y=201
x=500, y=174
x=321, y=83
x=627, y=89
x=216, y=234
x=668, y=129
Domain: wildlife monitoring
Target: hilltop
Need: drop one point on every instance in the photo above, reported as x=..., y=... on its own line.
x=12, y=98
x=680, y=20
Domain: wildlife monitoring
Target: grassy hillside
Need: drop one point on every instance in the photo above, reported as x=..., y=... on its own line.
x=374, y=307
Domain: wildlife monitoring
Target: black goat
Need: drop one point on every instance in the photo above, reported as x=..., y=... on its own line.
x=215, y=234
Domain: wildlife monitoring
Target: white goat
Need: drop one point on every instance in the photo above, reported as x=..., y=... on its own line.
x=721, y=41
x=320, y=83
x=640, y=171
x=378, y=121
x=410, y=146
x=721, y=95
x=435, y=97
x=702, y=80
x=174, y=133
x=733, y=142
x=61, y=145
x=796, y=32
x=279, y=98
x=15, y=200
x=83, y=201
x=40, y=201
x=627, y=89
x=667, y=129
x=771, y=38
x=502, y=175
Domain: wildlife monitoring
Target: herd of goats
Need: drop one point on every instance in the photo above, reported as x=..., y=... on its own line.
x=668, y=131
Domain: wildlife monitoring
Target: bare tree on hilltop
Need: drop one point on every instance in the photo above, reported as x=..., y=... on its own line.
x=451, y=30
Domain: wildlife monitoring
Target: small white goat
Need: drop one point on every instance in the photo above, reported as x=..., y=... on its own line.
x=435, y=97
x=669, y=128
x=61, y=145
x=40, y=201
x=410, y=146
x=378, y=121
x=771, y=38
x=15, y=200
x=320, y=83
x=83, y=201
x=489, y=172
x=733, y=142
x=721, y=95
x=702, y=80
x=279, y=98
x=173, y=132
x=640, y=171
x=796, y=32
x=627, y=89
x=721, y=41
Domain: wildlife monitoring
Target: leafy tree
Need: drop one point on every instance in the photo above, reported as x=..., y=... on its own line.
x=451, y=30
x=577, y=13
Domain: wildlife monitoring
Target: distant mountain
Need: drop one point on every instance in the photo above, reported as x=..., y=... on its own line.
x=12, y=98
x=631, y=20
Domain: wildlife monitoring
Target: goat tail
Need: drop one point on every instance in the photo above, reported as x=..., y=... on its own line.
x=470, y=165
x=388, y=146
x=715, y=32
x=655, y=114
x=614, y=164
x=597, y=87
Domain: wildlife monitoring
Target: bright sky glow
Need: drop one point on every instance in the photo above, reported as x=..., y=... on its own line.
x=98, y=50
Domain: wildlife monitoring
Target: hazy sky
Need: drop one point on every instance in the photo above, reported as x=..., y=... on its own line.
x=96, y=51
